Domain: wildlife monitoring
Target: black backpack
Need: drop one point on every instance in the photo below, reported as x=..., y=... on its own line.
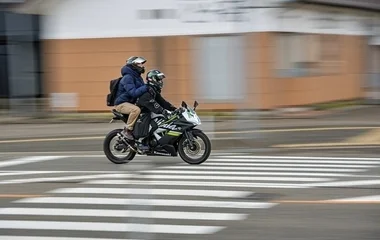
x=114, y=85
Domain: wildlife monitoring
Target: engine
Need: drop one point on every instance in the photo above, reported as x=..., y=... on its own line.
x=153, y=142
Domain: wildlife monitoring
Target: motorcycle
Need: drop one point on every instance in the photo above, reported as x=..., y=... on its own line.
x=166, y=137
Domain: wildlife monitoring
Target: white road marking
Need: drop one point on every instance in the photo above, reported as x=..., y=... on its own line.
x=18, y=172
x=200, y=167
x=238, y=178
x=178, y=192
x=197, y=183
x=123, y=213
x=108, y=227
x=5, y=237
x=26, y=160
x=151, y=202
x=304, y=157
x=286, y=165
x=65, y=178
x=375, y=198
x=295, y=161
x=192, y=172
x=345, y=183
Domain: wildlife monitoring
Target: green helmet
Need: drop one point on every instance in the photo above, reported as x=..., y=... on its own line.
x=155, y=79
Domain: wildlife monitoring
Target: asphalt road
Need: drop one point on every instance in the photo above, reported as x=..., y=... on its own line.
x=283, y=197
x=56, y=182
x=223, y=140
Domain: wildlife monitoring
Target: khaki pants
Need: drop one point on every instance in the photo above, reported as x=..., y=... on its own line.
x=132, y=110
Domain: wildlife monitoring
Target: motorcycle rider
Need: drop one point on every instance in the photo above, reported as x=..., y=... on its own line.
x=152, y=100
x=131, y=87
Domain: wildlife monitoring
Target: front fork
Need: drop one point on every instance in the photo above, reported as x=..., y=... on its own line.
x=190, y=139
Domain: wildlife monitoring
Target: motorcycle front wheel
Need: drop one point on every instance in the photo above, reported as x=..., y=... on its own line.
x=127, y=154
x=187, y=150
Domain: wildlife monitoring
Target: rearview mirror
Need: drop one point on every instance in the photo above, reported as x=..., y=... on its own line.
x=195, y=105
x=183, y=104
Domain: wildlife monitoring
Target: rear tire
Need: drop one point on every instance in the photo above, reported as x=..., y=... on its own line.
x=107, y=151
x=206, y=154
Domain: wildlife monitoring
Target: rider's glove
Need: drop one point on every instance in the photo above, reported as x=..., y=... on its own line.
x=172, y=108
x=166, y=113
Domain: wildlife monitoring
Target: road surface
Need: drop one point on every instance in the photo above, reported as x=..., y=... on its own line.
x=231, y=196
x=55, y=183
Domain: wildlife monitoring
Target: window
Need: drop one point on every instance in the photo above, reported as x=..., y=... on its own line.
x=300, y=55
x=372, y=84
x=220, y=67
x=374, y=67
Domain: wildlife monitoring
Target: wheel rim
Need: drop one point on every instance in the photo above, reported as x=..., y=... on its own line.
x=118, y=149
x=195, y=151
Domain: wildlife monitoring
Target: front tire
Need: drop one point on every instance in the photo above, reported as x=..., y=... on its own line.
x=107, y=148
x=182, y=145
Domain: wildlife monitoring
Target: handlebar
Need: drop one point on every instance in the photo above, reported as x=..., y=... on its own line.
x=178, y=111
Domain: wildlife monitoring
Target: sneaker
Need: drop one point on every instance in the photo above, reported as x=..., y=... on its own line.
x=128, y=134
x=143, y=148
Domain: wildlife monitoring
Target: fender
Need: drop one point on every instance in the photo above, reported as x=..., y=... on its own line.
x=188, y=133
x=195, y=130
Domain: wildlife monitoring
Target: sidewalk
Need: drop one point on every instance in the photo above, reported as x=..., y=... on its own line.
x=240, y=135
x=58, y=118
x=363, y=117
x=302, y=113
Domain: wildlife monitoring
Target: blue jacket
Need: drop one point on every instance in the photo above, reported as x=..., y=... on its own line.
x=131, y=86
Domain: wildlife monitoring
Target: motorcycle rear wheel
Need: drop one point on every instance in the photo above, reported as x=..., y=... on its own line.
x=107, y=148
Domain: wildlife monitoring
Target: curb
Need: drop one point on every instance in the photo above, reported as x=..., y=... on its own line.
x=243, y=134
x=218, y=145
x=280, y=114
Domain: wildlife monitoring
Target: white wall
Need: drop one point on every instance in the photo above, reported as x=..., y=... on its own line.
x=121, y=18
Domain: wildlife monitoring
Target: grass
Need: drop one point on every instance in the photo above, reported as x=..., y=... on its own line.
x=336, y=104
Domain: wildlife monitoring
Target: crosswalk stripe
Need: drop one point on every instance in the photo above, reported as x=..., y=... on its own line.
x=123, y=213
x=267, y=168
x=26, y=160
x=345, y=183
x=5, y=237
x=15, y=173
x=217, y=174
x=178, y=192
x=196, y=183
x=238, y=178
x=194, y=172
x=23, y=173
x=109, y=227
x=62, y=171
x=286, y=165
x=295, y=161
x=301, y=157
x=151, y=202
x=355, y=199
x=81, y=177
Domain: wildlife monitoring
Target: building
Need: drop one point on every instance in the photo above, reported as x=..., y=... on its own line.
x=261, y=54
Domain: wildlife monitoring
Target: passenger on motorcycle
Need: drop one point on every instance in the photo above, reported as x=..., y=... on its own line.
x=130, y=88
